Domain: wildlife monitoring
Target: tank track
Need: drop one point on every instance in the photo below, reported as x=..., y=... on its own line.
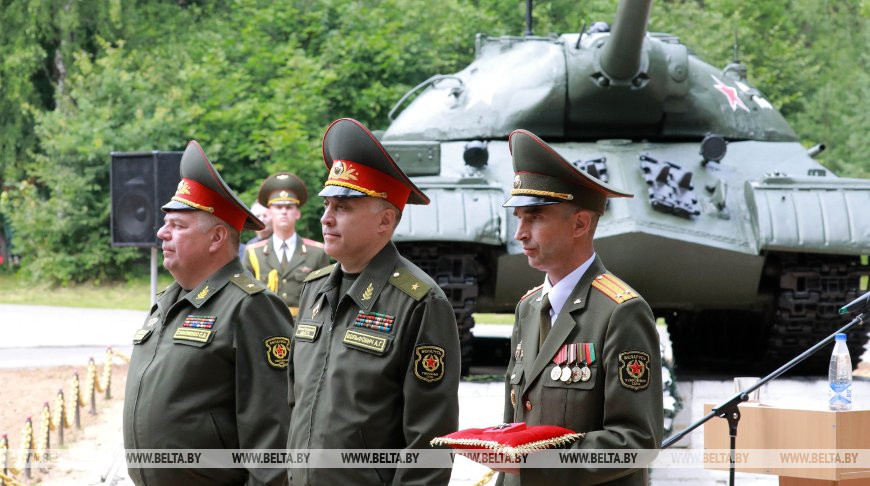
x=806, y=292
x=456, y=274
x=812, y=290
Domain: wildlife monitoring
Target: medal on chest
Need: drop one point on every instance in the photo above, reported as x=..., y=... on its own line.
x=560, y=359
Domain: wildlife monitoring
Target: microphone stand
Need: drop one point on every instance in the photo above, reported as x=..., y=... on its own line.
x=729, y=410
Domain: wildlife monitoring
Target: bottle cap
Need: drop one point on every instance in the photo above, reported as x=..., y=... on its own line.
x=841, y=336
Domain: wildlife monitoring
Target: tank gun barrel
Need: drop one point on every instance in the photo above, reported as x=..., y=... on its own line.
x=620, y=58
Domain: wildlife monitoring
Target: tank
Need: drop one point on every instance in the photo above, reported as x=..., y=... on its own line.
x=736, y=236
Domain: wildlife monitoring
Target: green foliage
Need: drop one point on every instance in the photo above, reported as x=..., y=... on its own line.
x=256, y=82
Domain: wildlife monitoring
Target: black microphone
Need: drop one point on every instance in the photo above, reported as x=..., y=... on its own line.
x=856, y=304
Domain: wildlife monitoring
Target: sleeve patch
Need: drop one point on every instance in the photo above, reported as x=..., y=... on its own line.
x=403, y=280
x=277, y=351
x=616, y=289
x=429, y=363
x=634, y=370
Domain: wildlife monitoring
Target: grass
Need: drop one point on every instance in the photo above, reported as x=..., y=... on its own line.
x=133, y=294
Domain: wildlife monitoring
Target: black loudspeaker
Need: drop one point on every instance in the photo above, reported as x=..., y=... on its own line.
x=141, y=182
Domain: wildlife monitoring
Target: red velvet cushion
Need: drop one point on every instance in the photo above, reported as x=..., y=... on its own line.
x=512, y=439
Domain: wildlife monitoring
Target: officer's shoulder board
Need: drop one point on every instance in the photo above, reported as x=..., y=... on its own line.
x=530, y=292
x=258, y=244
x=248, y=284
x=404, y=280
x=614, y=288
x=320, y=272
x=313, y=243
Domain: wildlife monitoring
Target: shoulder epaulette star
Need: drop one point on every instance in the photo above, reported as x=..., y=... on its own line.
x=246, y=283
x=531, y=291
x=614, y=288
x=320, y=272
x=405, y=281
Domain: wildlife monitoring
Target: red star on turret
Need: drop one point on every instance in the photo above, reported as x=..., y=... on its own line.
x=731, y=93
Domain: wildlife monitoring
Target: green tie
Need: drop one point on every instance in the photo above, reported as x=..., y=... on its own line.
x=545, y=320
x=284, y=256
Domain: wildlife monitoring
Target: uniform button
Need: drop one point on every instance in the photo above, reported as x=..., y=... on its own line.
x=284, y=295
x=237, y=275
x=396, y=274
x=513, y=376
x=528, y=406
x=284, y=280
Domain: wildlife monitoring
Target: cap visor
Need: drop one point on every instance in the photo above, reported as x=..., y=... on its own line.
x=520, y=201
x=176, y=206
x=338, y=191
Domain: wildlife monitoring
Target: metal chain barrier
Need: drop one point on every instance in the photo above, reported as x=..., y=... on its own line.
x=58, y=421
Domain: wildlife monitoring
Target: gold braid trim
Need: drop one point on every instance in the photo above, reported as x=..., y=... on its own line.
x=291, y=200
x=273, y=281
x=485, y=479
x=193, y=204
x=255, y=262
x=535, y=192
x=510, y=450
x=368, y=192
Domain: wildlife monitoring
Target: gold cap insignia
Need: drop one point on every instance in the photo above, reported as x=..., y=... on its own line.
x=183, y=188
x=517, y=182
x=337, y=168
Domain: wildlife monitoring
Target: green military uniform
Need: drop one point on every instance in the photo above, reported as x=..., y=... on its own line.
x=208, y=366
x=261, y=258
x=375, y=366
x=285, y=279
x=616, y=402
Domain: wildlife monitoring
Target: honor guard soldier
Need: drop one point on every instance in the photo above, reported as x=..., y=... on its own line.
x=208, y=369
x=283, y=261
x=375, y=358
x=586, y=351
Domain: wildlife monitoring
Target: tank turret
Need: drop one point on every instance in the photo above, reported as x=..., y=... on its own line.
x=743, y=242
x=621, y=54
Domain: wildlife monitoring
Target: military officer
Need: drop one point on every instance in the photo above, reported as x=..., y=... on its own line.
x=262, y=213
x=283, y=261
x=586, y=352
x=375, y=358
x=212, y=355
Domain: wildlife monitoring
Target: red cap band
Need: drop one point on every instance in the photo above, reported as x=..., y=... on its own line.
x=372, y=182
x=201, y=197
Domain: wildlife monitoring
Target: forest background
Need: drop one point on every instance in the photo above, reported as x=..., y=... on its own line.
x=256, y=82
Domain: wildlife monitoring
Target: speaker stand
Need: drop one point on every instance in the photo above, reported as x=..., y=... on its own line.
x=153, y=275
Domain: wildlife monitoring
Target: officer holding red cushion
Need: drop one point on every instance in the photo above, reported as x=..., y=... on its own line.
x=585, y=347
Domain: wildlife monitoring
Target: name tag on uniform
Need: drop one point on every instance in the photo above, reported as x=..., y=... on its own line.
x=196, y=335
x=366, y=341
x=141, y=336
x=306, y=332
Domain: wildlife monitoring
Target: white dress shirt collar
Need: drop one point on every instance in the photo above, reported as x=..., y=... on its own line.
x=291, y=247
x=560, y=292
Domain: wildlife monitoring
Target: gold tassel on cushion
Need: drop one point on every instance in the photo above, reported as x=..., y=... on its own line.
x=273, y=281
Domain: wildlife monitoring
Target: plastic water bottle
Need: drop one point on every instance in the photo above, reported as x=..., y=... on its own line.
x=840, y=376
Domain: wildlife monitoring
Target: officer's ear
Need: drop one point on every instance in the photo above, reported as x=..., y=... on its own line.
x=584, y=222
x=219, y=236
